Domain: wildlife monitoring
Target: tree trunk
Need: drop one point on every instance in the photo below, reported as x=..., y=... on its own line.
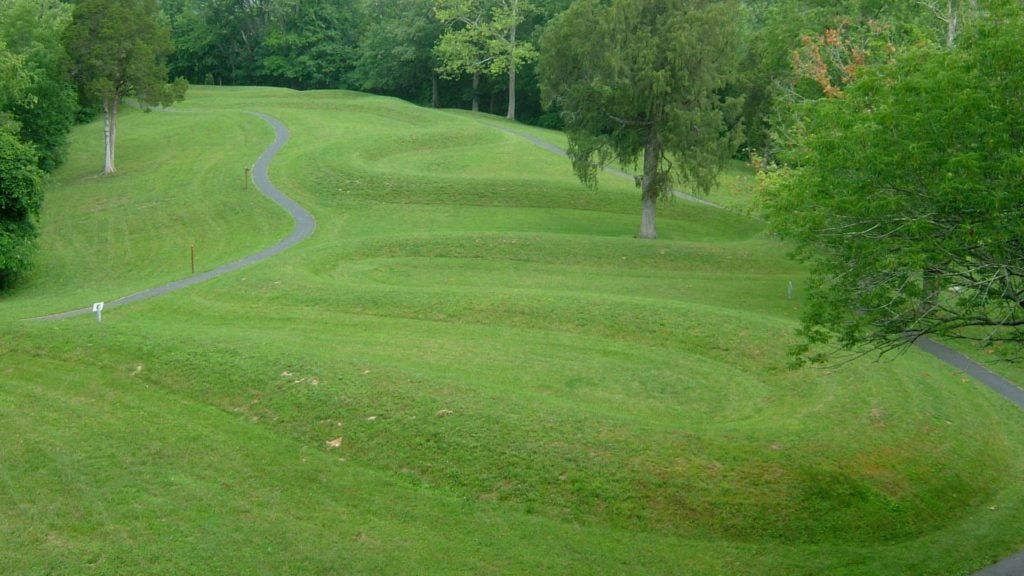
x=435, y=99
x=649, y=184
x=109, y=133
x=647, y=229
x=476, y=92
x=512, y=69
x=930, y=287
x=511, y=92
x=952, y=19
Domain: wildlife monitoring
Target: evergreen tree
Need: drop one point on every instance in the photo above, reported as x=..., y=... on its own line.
x=641, y=80
x=119, y=49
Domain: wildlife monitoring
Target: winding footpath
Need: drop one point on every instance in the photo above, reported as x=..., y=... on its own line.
x=1012, y=566
x=305, y=224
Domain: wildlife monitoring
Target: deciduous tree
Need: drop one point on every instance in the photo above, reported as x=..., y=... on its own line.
x=310, y=44
x=641, y=80
x=46, y=111
x=21, y=196
x=483, y=38
x=906, y=197
x=396, y=49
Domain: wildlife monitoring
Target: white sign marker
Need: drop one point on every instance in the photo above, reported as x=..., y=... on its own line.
x=98, y=309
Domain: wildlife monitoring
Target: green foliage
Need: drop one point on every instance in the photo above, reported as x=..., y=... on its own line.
x=119, y=49
x=482, y=38
x=218, y=41
x=21, y=197
x=778, y=29
x=396, y=48
x=46, y=111
x=643, y=79
x=299, y=44
x=14, y=83
x=309, y=44
x=905, y=196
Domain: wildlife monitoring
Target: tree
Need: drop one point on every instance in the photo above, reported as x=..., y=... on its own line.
x=21, y=196
x=309, y=44
x=486, y=41
x=778, y=28
x=46, y=111
x=14, y=84
x=396, y=49
x=906, y=198
x=642, y=79
x=119, y=49
x=219, y=41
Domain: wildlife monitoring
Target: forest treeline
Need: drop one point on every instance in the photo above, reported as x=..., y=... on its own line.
x=399, y=47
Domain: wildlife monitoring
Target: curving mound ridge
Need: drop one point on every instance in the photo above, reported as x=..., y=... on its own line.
x=471, y=367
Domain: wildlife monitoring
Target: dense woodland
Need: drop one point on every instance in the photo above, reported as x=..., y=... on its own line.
x=812, y=91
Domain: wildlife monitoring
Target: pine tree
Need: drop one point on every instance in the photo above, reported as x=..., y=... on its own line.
x=640, y=80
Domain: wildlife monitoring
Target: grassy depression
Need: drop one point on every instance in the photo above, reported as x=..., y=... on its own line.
x=471, y=367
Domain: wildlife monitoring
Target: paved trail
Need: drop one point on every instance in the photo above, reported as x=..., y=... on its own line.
x=305, y=224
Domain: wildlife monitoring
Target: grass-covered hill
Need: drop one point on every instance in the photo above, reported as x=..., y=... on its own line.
x=471, y=368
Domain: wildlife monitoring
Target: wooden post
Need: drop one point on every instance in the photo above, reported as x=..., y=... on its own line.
x=246, y=183
x=193, y=251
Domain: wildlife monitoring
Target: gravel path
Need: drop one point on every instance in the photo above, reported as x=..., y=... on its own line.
x=305, y=224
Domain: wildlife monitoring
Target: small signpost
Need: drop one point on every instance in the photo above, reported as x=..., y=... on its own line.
x=98, y=309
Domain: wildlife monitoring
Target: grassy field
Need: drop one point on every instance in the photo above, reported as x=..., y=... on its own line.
x=472, y=367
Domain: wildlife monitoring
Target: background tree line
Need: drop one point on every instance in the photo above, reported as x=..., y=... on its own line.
x=448, y=53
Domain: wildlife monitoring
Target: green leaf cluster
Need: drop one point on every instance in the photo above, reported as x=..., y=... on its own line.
x=906, y=196
x=482, y=39
x=395, y=52
x=21, y=197
x=119, y=49
x=36, y=99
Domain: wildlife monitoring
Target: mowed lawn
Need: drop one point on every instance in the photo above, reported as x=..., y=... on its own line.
x=471, y=368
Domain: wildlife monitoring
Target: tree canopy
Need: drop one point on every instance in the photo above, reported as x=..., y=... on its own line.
x=21, y=197
x=119, y=49
x=483, y=38
x=45, y=103
x=905, y=196
x=642, y=80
